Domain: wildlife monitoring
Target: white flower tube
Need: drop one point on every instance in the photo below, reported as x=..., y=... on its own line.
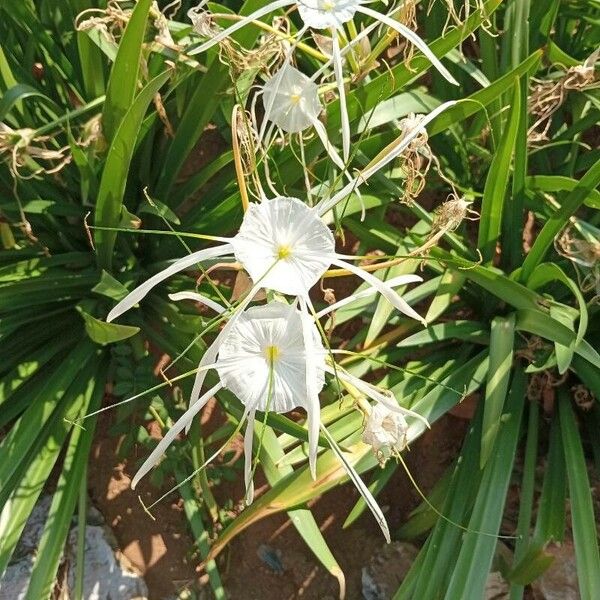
x=198, y=298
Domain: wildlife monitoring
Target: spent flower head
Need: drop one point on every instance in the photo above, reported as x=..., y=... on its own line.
x=386, y=431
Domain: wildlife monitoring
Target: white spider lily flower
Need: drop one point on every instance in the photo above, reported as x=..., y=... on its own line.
x=273, y=360
x=386, y=432
x=329, y=14
x=285, y=245
x=326, y=14
x=291, y=100
x=291, y=103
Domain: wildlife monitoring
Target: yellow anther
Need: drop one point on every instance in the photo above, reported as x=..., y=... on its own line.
x=272, y=353
x=283, y=252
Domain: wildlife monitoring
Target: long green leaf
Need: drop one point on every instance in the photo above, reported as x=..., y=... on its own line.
x=114, y=177
x=496, y=184
x=477, y=550
x=123, y=81
x=582, y=509
x=55, y=531
x=502, y=341
x=559, y=219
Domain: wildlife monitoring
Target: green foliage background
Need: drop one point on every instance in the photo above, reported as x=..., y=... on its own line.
x=500, y=320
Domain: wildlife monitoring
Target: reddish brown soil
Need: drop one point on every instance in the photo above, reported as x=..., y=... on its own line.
x=161, y=550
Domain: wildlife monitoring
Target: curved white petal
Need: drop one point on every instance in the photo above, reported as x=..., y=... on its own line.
x=339, y=79
x=383, y=288
x=257, y=14
x=248, y=438
x=386, y=399
x=331, y=151
x=413, y=38
x=394, y=282
x=179, y=265
x=312, y=393
x=182, y=422
x=360, y=485
x=195, y=297
x=401, y=146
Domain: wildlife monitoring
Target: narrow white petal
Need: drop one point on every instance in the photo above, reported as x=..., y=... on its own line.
x=322, y=133
x=179, y=265
x=162, y=446
x=213, y=350
x=248, y=437
x=413, y=38
x=339, y=78
x=326, y=205
x=312, y=393
x=360, y=486
x=394, y=282
x=257, y=14
x=375, y=394
x=198, y=298
x=383, y=288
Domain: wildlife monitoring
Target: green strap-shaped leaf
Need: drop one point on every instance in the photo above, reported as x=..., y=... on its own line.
x=478, y=546
x=123, y=81
x=57, y=526
x=559, y=219
x=502, y=339
x=583, y=521
x=496, y=184
x=116, y=169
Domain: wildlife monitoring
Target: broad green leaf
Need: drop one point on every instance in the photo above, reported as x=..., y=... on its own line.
x=106, y=333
